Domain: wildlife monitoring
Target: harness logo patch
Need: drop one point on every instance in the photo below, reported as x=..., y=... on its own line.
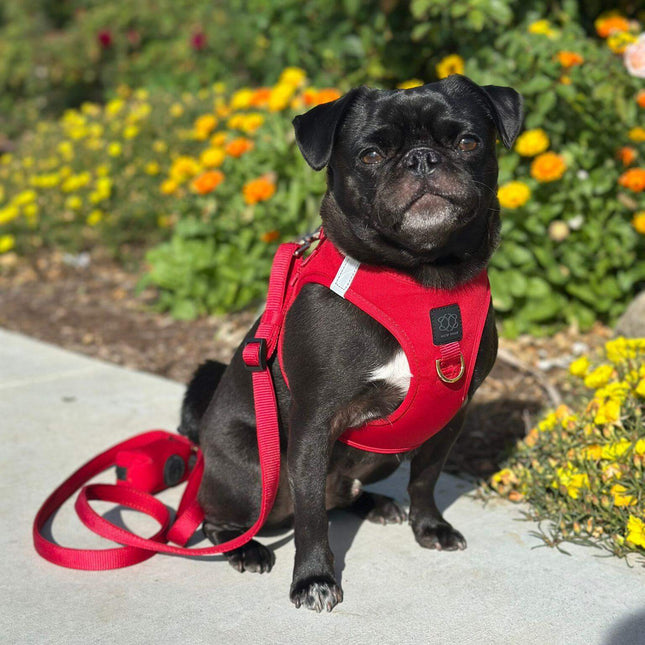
x=446, y=324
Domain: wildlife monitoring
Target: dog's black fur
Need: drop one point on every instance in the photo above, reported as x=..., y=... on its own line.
x=412, y=178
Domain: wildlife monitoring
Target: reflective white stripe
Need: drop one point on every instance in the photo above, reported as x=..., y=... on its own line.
x=344, y=276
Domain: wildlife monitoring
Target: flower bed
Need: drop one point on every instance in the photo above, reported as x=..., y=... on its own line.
x=581, y=468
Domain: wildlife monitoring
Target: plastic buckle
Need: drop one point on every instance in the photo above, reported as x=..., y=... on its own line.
x=261, y=355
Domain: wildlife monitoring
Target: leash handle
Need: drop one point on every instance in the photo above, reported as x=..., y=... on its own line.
x=256, y=354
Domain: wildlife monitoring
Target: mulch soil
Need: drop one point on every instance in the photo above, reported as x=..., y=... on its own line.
x=95, y=310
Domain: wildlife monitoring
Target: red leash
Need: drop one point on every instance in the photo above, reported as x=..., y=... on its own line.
x=139, y=452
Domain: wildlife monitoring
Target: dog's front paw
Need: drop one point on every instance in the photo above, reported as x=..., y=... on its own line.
x=317, y=593
x=439, y=535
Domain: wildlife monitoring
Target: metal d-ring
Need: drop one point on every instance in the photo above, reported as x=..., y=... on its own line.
x=444, y=378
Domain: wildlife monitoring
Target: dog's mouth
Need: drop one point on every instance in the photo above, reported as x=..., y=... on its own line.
x=425, y=224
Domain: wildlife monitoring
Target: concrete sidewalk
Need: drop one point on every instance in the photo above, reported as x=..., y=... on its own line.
x=58, y=409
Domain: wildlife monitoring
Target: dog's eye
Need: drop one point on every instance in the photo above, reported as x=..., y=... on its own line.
x=468, y=143
x=371, y=156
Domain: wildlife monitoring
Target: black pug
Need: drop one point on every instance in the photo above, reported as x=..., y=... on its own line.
x=411, y=185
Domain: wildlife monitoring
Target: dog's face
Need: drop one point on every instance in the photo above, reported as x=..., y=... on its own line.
x=412, y=174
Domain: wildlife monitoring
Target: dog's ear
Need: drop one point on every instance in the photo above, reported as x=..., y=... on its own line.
x=316, y=129
x=507, y=108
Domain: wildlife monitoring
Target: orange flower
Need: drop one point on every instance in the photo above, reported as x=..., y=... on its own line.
x=569, y=59
x=208, y=181
x=610, y=24
x=270, y=236
x=260, y=97
x=238, y=147
x=258, y=190
x=548, y=166
x=640, y=98
x=313, y=97
x=626, y=155
x=633, y=179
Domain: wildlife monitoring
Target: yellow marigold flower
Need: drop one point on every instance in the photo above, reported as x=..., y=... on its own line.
x=293, y=76
x=241, y=99
x=115, y=149
x=183, y=168
x=130, y=132
x=8, y=214
x=640, y=388
x=251, y=123
x=532, y=142
x=569, y=59
x=74, y=203
x=619, y=41
x=113, y=107
x=572, y=480
x=204, y=125
x=212, y=157
x=208, y=182
x=219, y=139
x=94, y=217
x=280, y=96
x=637, y=134
x=620, y=499
x=31, y=210
x=616, y=449
x=548, y=166
x=620, y=349
x=160, y=146
x=599, y=377
x=453, y=64
x=579, y=367
x=258, y=190
x=24, y=197
x=608, y=412
x=7, y=242
x=408, y=85
x=635, y=531
x=638, y=222
x=152, y=168
x=169, y=187
x=176, y=110
x=541, y=27
x=513, y=194
x=592, y=452
x=66, y=150
x=103, y=170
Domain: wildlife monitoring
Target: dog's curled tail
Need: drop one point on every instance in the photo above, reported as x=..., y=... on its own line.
x=197, y=397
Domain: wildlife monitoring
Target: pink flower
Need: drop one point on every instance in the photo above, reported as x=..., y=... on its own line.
x=105, y=38
x=634, y=57
x=198, y=41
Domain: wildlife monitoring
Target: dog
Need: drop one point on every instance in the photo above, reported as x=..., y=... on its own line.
x=411, y=186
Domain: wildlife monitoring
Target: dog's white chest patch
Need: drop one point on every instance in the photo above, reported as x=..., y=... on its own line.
x=396, y=372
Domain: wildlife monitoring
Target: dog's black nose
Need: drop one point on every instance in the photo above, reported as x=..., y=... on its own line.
x=421, y=161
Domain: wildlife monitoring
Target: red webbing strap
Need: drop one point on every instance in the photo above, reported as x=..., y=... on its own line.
x=136, y=549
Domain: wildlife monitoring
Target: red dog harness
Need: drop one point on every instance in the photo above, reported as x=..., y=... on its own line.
x=439, y=331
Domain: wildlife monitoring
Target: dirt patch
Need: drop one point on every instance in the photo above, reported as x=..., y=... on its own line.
x=95, y=310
